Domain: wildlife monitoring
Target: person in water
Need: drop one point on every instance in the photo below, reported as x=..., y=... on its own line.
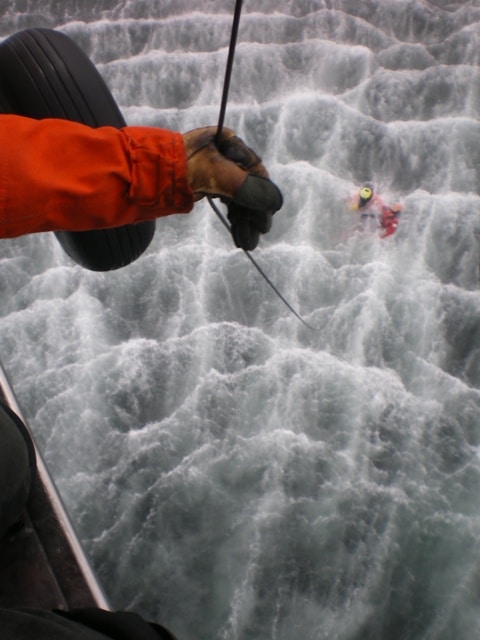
x=372, y=208
x=58, y=175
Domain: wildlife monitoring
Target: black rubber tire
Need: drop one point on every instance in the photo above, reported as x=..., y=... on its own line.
x=44, y=74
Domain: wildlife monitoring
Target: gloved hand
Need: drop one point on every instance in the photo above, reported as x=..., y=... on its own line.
x=233, y=172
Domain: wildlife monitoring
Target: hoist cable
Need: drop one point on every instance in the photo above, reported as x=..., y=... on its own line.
x=259, y=269
x=228, y=70
x=221, y=118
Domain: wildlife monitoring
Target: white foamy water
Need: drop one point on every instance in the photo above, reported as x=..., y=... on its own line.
x=232, y=474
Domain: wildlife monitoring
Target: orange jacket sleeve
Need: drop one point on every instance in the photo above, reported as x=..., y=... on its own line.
x=61, y=175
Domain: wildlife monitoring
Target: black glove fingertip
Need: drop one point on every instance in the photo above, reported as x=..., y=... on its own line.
x=244, y=235
x=262, y=220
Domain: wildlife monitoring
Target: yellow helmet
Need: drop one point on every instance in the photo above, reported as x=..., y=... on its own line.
x=366, y=194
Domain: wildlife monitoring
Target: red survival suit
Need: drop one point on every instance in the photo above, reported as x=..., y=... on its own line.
x=61, y=175
x=387, y=216
x=388, y=219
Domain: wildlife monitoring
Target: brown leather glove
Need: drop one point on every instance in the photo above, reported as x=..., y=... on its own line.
x=233, y=172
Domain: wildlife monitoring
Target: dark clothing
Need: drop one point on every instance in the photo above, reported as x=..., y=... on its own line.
x=17, y=463
x=88, y=624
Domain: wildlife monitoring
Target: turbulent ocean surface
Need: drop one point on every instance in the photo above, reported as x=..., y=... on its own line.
x=233, y=474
